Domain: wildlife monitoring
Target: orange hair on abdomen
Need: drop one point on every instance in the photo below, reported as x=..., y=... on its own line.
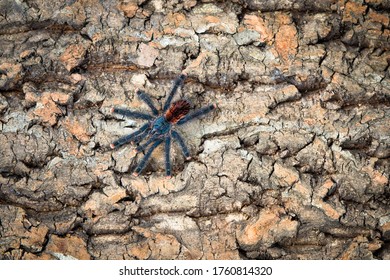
x=177, y=111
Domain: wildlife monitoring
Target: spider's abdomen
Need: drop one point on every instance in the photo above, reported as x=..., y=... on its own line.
x=177, y=111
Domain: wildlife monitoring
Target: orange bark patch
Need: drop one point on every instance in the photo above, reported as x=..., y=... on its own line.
x=35, y=238
x=377, y=17
x=139, y=184
x=11, y=69
x=156, y=245
x=212, y=19
x=30, y=256
x=286, y=42
x=98, y=36
x=334, y=210
x=77, y=128
x=351, y=252
x=283, y=19
x=257, y=24
x=140, y=252
x=60, y=97
x=353, y=11
x=379, y=178
x=73, y=56
x=178, y=19
x=202, y=57
x=26, y=54
x=287, y=176
x=129, y=8
x=376, y=177
x=271, y=225
x=374, y=1
x=72, y=246
x=47, y=110
x=13, y=73
x=385, y=228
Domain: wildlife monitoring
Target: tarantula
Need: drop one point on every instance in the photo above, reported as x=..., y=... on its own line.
x=160, y=126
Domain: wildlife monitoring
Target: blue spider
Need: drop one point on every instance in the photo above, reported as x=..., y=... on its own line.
x=160, y=127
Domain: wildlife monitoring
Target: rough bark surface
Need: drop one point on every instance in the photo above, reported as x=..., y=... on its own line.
x=294, y=164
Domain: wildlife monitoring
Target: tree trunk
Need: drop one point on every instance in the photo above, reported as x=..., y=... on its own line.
x=293, y=163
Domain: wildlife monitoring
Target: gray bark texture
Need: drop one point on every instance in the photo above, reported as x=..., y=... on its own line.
x=293, y=164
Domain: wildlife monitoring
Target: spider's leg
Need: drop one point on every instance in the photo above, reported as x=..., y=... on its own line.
x=145, y=98
x=167, y=154
x=146, y=144
x=182, y=145
x=138, y=138
x=145, y=159
x=127, y=138
x=178, y=82
x=197, y=114
x=131, y=114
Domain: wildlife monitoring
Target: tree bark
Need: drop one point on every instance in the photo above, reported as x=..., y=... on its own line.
x=293, y=164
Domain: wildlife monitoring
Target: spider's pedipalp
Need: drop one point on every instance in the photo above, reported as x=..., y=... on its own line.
x=178, y=82
x=128, y=138
x=167, y=156
x=182, y=145
x=145, y=159
x=146, y=98
x=197, y=114
x=131, y=114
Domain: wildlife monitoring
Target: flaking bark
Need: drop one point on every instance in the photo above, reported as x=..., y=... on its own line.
x=294, y=163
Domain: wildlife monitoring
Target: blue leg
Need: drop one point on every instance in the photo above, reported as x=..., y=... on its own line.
x=137, y=139
x=182, y=145
x=127, y=138
x=147, y=143
x=167, y=154
x=131, y=114
x=145, y=98
x=178, y=82
x=143, y=162
x=197, y=114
